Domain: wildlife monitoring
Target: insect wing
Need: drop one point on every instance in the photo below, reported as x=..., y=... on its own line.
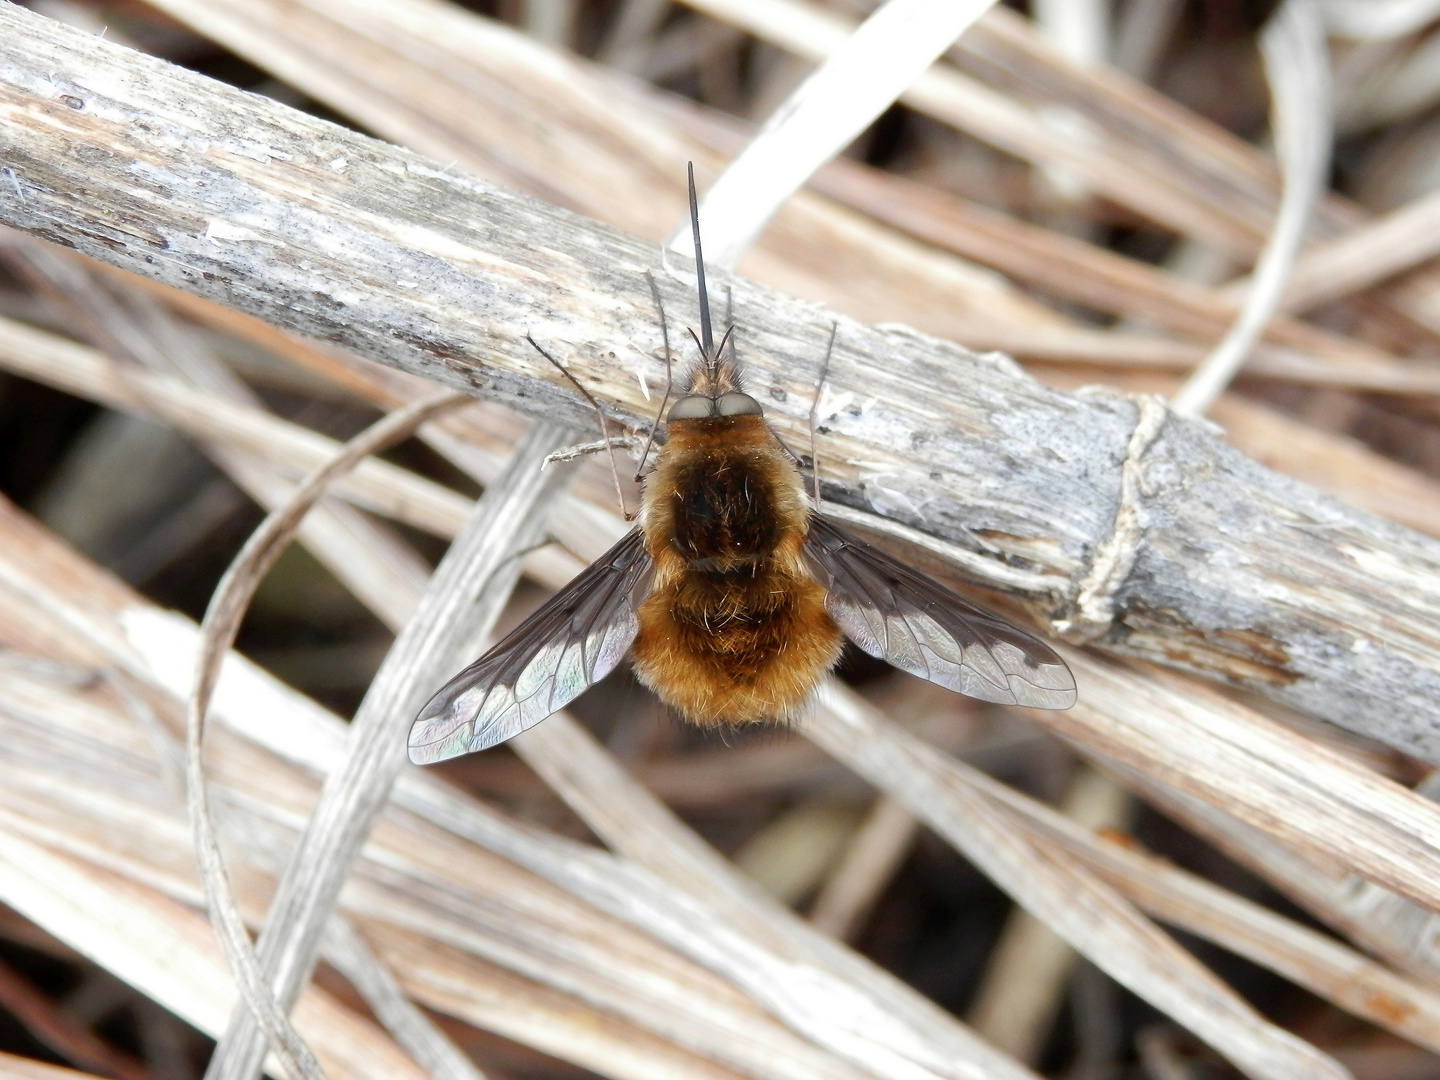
x=574, y=640
x=919, y=626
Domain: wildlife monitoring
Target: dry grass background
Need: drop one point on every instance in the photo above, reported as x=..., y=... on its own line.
x=1085, y=185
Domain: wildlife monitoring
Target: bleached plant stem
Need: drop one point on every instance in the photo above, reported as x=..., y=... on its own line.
x=639, y=826
x=1064, y=893
x=352, y=957
x=1243, y=583
x=463, y=599
x=1297, y=67
x=825, y=114
x=222, y=622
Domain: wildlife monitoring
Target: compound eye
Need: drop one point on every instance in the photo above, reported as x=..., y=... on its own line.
x=694, y=407
x=737, y=405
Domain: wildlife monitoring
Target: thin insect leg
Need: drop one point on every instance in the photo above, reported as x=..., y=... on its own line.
x=728, y=339
x=796, y=458
x=604, y=428
x=814, y=408
x=669, y=374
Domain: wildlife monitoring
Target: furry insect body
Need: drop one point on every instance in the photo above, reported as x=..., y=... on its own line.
x=734, y=630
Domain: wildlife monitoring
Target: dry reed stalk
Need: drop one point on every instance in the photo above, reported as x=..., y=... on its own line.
x=1382, y=923
x=266, y=1008
x=451, y=622
x=1364, y=256
x=285, y=447
x=1101, y=925
x=167, y=951
x=612, y=162
x=586, y=776
x=874, y=852
x=157, y=852
x=1339, y=466
x=1030, y=965
x=1073, y=270
x=1212, y=165
x=135, y=331
x=416, y=1034
x=288, y=448
x=822, y=116
x=1295, y=658
x=586, y=181
x=1178, y=168
x=1297, y=69
x=1180, y=898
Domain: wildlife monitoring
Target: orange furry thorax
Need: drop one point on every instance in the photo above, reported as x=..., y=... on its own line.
x=734, y=629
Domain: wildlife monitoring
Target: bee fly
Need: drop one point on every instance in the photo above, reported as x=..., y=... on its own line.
x=733, y=596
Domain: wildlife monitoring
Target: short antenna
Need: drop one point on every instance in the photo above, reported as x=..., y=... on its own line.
x=707, y=337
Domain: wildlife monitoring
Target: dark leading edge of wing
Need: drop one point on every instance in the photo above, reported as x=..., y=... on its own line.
x=919, y=626
x=574, y=640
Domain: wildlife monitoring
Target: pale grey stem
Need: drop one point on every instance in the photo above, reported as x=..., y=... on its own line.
x=1074, y=903
x=825, y=114
x=1297, y=66
x=384, y=572
x=194, y=184
x=636, y=23
x=464, y=598
x=877, y=849
x=222, y=622
x=413, y=1030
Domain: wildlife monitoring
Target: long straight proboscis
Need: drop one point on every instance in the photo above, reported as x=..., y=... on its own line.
x=707, y=337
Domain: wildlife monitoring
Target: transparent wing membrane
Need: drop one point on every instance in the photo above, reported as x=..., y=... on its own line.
x=918, y=625
x=573, y=641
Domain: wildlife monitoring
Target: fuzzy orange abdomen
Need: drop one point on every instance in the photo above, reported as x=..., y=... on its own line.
x=747, y=659
x=734, y=629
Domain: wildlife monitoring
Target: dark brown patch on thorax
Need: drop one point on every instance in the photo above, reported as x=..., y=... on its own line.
x=724, y=497
x=724, y=513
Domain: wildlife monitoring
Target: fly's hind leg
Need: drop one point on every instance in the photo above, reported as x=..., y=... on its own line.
x=814, y=409
x=606, y=442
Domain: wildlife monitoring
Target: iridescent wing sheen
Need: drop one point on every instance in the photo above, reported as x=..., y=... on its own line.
x=574, y=640
x=919, y=626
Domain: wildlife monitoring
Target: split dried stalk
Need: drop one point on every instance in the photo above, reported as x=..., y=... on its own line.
x=461, y=603
x=1260, y=610
x=1095, y=920
x=222, y=623
x=1297, y=67
x=825, y=114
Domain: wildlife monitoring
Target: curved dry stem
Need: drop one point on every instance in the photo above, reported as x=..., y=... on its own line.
x=1296, y=65
x=222, y=622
